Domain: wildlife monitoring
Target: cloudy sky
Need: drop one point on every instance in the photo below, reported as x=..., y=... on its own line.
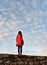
x=29, y=16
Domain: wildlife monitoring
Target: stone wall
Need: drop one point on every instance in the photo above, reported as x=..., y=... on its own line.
x=8, y=59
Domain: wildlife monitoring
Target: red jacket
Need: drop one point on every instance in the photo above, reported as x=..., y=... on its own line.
x=19, y=40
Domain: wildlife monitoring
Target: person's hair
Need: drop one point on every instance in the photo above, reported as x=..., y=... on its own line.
x=19, y=32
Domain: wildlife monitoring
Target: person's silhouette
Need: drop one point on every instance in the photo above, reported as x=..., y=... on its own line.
x=19, y=42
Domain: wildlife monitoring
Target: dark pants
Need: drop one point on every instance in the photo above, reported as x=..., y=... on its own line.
x=19, y=50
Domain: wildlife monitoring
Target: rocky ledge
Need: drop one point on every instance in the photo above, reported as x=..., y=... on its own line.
x=10, y=59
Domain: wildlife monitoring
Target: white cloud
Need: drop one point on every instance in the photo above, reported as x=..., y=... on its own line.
x=35, y=4
x=11, y=24
x=27, y=1
x=41, y=41
x=1, y=37
x=13, y=16
x=3, y=48
x=28, y=17
x=5, y=33
x=4, y=13
x=21, y=7
x=44, y=51
x=33, y=53
x=0, y=16
x=12, y=4
x=34, y=16
x=44, y=2
x=41, y=52
x=2, y=8
x=1, y=23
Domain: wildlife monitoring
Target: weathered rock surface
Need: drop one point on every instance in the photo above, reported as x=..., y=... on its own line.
x=9, y=59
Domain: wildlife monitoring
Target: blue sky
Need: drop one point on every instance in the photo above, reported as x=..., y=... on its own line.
x=29, y=16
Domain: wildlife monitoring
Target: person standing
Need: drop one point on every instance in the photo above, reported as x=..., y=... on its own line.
x=19, y=42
